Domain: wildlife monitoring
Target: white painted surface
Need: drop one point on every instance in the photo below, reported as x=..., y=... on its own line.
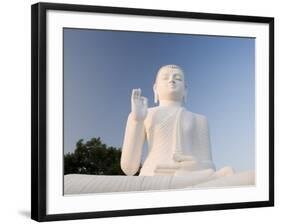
x=86, y=184
x=178, y=140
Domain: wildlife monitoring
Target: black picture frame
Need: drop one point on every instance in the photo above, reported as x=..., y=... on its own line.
x=39, y=110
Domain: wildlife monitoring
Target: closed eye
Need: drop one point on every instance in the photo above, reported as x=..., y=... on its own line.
x=178, y=77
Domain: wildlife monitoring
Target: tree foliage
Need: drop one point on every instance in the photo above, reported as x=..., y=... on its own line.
x=93, y=157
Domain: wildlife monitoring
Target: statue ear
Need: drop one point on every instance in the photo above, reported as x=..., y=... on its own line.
x=155, y=94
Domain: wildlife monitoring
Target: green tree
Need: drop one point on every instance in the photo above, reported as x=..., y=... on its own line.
x=93, y=157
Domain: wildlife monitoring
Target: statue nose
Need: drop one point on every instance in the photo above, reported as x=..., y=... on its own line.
x=172, y=81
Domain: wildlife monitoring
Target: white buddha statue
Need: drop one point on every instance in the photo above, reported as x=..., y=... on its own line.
x=179, y=153
x=178, y=140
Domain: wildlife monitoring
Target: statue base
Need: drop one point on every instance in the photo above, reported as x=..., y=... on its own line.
x=84, y=184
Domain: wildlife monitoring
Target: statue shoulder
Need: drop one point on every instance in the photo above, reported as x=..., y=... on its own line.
x=152, y=110
x=199, y=118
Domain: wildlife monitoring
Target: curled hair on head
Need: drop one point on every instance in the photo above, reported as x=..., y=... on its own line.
x=172, y=66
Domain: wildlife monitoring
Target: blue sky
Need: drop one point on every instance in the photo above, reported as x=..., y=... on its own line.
x=102, y=67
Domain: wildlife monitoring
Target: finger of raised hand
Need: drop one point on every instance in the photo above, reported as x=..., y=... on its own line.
x=133, y=96
x=138, y=93
x=133, y=92
x=144, y=101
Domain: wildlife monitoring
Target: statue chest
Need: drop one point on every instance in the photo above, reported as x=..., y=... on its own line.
x=166, y=126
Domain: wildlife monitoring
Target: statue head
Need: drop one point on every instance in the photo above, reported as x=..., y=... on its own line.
x=169, y=84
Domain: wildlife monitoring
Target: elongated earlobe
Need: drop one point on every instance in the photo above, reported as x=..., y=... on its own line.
x=155, y=94
x=155, y=97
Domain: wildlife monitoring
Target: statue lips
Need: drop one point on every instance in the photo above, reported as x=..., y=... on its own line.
x=172, y=86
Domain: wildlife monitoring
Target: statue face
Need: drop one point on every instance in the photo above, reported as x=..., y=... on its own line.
x=170, y=84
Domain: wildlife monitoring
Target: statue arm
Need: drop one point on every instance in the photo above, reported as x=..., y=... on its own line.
x=132, y=146
x=203, y=145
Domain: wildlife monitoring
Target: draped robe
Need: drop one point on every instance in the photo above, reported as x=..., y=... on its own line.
x=171, y=130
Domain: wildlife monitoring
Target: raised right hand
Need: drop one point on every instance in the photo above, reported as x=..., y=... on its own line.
x=138, y=105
